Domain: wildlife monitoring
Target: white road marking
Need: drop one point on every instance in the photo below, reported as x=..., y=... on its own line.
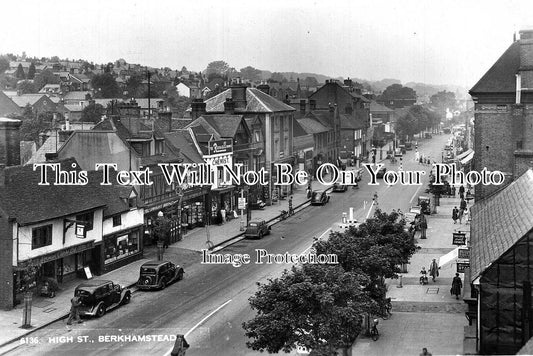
x=319, y=238
x=369, y=210
x=414, y=195
x=200, y=323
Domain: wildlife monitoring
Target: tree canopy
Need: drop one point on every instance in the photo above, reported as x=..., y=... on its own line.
x=92, y=113
x=216, y=69
x=26, y=87
x=250, y=73
x=105, y=86
x=19, y=74
x=397, y=91
x=43, y=78
x=315, y=306
x=31, y=71
x=32, y=124
x=443, y=100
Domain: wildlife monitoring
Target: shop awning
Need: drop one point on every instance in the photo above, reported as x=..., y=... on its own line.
x=467, y=159
x=449, y=257
x=464, y=154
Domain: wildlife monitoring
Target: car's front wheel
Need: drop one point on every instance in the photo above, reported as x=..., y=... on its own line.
x=127, y=298
x=101, y=311
x=163, y=284
x=180, y=275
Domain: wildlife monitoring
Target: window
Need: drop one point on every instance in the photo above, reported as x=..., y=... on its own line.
x=117, y=220
x=132, y=202
x=41, y=236
x=87, y=218
x=257, y=136
x=158, y=147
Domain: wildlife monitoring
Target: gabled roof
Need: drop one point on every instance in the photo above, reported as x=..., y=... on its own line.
x=500, y=78
x=8, y=106
x=499, y=221
x=226, y=126
x=49, y=146
x=183, y=141
x=256, y=102
x=29, y=99
x=311, y=125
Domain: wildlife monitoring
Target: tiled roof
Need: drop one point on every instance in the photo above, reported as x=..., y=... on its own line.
x=498, y=222
x=182, y=140
x=500, y=78
x=256, y=102
x=8, y=106
x=28, y=202
x=374, y=106
x=76, y=95
x=225, y=125
x=49, y=146
x=311, y=125
x=350, y=122
x=25, y=99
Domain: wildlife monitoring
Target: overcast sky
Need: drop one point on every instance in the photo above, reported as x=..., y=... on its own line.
x=430, y=41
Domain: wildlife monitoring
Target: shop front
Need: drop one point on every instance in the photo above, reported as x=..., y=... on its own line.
x=120, y=249
x=63, y=265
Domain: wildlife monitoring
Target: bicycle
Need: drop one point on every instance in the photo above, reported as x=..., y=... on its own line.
x=374, y=333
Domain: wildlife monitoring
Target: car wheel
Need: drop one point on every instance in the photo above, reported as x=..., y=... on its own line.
x=163, y=284
x=127, y=298
x=260, y=236
x=101, y=311
x=180, y=275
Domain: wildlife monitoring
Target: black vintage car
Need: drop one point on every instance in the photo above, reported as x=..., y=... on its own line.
x=339, y=187
x=159, y=274
x=257, y=229
x=99, y=296
x=319, y=197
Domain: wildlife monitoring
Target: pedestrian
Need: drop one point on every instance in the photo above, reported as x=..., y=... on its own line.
x=466, y=216
x=308, y=192
x=223, y=215
x=457, y=284
x=462, y=192
x=455, y=214
x=375, y=199
x=425, y=352
x=434, y=269
x=463, y=205
x=75, y=304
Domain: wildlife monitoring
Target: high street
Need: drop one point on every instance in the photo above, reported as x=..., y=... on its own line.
x=211, y=303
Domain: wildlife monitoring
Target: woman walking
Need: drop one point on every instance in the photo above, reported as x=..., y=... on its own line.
x=457, y=284
x=434, y=269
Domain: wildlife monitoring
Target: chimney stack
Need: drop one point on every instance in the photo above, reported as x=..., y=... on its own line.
x=348, y=82
x=238, y=93
x=50, y=156
x=264, y=87
x=229, y=106
x=525, y=70
x=198, y=108
x=10, y=141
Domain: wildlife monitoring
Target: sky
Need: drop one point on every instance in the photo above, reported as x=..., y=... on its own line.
x=427, y=41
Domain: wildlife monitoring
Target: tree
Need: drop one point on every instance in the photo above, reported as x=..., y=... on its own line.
x=216, y=69
x=19, y=74
x=33, y=125
x=310, y=82
x=277, y=77
x=443, y=99
x=250, y=73
x=31, y=71
x=92, y=113
x=397, y=91
x=4, y=64
x=407, y=125
x=105, y=86
x=133, y=86
x=316, y=306
x=26, y=87
x=43, y=78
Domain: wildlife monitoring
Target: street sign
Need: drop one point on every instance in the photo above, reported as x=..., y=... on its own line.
x=464, y=254
x=461, y=266
x=459, y=238
x=242, y=203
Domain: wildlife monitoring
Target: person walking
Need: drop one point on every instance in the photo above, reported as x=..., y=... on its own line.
x=462, y=192
x=434, y=269
x=457, y=284
x=75, y=304
x=455, y=214
x=425, y=352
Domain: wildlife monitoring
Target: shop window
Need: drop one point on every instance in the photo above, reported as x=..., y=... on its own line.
x=118, y=247
x=41, y=236
x=87, y=218
x=117, y=220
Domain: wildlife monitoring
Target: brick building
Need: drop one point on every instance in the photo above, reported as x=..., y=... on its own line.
x=504, y=114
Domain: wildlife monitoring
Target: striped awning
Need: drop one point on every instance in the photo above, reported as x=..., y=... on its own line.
x=468, y=158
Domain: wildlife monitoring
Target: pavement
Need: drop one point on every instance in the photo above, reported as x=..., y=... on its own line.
x=423, y=315
x=46, y=311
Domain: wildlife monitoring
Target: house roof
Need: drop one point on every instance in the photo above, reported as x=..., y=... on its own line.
x=256, y=102
x=183, y=141
x=500, y=78
x=143, y=102
x=76, y=95
x=224, y=125
x=29, y=99
x=375, y=107
x=499, y=221
x=51, y=145
x=312, y=125
x=8, y=106
x=21, y=191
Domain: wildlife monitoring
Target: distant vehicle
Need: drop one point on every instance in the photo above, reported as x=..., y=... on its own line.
x=339, y=187
x=398, y=152
x=99, y=296
x=381, y=172
x=319, y=197
x=158, y=274
x=402, y=148
x=408, y=146
x=257, y=229
x=415, y=210
x=427, y=135
x=447, y=131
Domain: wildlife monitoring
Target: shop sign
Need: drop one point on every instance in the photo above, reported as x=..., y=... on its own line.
x=461, y=266
x=242, y=203
x=219, y=161
x=464, y=253
x=57, y=255
x=220, y=146
x=459, y=238
x=80, y=231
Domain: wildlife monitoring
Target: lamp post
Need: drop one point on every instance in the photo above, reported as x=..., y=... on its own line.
x=160, y=230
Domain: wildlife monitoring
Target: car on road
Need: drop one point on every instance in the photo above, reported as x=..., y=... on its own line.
x=339, y=187
x=381, y=172
x=319, y=197
x=158, y=274
x=257, y=229
x=99, y=296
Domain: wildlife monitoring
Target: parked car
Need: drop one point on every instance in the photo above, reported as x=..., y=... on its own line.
x=99, y=296
x=339, y=187
x=424, y=202
x=319, y=197
x=381, y=172
x=257, y=229
x=158, y=274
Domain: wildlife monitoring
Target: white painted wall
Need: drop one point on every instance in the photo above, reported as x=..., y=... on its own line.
x=183, y=90
x=129, y=219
